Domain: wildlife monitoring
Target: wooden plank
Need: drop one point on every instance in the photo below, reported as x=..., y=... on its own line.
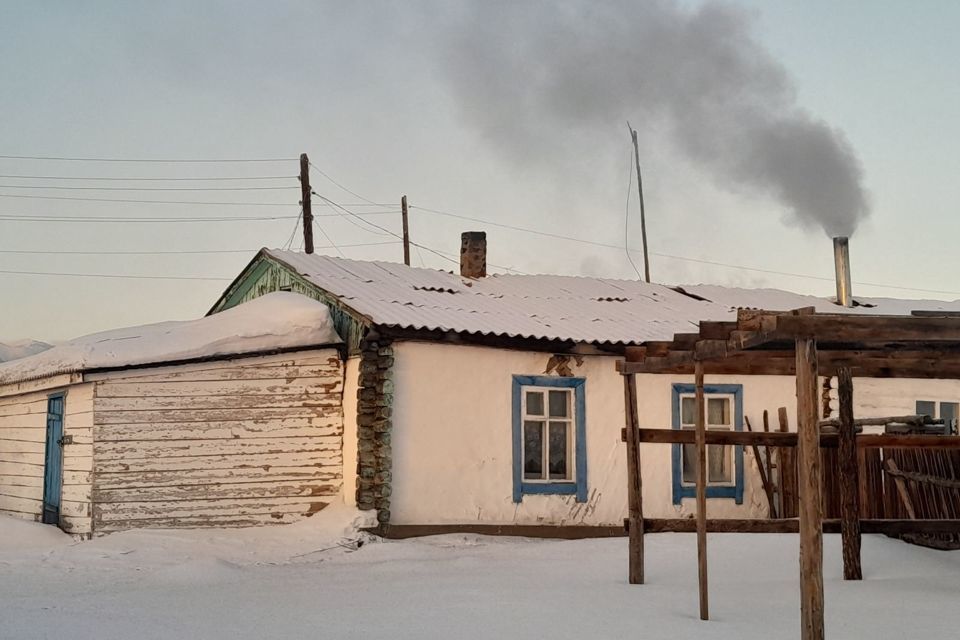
x=195, y=403
x=847, y=328
x=115, y=511
x=267, y=487
x=634, y=481
x=811, y=515
x=213, y=415
x=764, y=480
x=249, y=429
x=166, y=449
x=900, y=484
x=252, y=369
x=207, y=521
x=849, y=480
x=701, y=494
x=309, y=474
x=239, y=461
x=272, y=386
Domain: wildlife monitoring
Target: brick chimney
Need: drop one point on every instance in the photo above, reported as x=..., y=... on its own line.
x=473, y=254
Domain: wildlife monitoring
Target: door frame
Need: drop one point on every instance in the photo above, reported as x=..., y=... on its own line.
x=53, y=461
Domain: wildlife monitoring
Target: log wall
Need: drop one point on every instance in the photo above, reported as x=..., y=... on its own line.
x=223, y=444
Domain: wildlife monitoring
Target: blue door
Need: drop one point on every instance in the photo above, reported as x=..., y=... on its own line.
x=53, y=462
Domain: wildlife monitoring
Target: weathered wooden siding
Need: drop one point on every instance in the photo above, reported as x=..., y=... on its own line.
x=266, y=276
x=235, y=443
x=23, y=432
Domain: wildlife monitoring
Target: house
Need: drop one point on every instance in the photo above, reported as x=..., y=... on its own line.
x=229, y=420
x=473, y=400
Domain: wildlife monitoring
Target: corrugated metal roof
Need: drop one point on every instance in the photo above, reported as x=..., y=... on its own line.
x=550, y=307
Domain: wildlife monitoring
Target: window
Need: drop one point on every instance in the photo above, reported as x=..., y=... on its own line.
x=549, y=437
x=947, y=410
x=724, y=411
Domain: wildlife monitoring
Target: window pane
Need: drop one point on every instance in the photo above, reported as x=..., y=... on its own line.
x=718, y=410
x=688, y=408
x=948, y=411
x=926, y=408
x=533, y=450
x=718, y=464
x=688, y=461
x=535, y=403
x=559, y=458
x=559, y=404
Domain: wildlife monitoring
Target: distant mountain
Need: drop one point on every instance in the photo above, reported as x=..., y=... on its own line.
x=21, y=349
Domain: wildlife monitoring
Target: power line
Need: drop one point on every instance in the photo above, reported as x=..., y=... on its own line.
x=329, y=239
x=137, y=201
x=118, y=219
x=626, y=222
x=353, y=193
x=109, y=275
x=173, y=252
x=154, y=160
x=84, y=188
x=674, y=257
x=145, y=179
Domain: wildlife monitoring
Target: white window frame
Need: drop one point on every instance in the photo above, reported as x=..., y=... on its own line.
x=546, y=419
x=730, y=449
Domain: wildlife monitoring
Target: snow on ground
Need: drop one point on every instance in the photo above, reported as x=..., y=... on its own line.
x=314, y=579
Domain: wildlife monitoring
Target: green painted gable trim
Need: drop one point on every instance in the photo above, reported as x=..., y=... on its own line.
x=265, y=275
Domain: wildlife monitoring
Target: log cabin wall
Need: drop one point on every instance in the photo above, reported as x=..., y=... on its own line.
x=23, y=431
x=233, y=443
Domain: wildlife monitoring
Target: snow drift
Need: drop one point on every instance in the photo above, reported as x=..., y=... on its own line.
x=279, y=320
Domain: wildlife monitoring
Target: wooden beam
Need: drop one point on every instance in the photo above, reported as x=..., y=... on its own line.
x=871, y=329
x=634, y=480
x=792, y=525
x=701, y=493
x=790, y=439
x=849, y=480
x=811, y=505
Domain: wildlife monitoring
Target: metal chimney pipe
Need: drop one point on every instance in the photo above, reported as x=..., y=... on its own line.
x=841, y=259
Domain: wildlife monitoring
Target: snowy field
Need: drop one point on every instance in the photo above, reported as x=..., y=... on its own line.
x=311, y=580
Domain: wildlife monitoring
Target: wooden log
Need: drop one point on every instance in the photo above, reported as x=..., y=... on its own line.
x=701, y=493
x=809, y=480
x=764, y=480
x=634, y=480
x=787, y=466
x=914, y=420
x=849, y=480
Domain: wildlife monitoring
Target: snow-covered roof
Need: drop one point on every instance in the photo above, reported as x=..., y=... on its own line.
x=21, y=349
x=275, y=321
x=592, y=310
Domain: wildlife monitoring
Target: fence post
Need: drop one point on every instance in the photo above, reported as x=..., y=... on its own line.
x=849, y=479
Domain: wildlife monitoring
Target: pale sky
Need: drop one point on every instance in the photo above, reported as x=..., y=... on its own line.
x=369, y=94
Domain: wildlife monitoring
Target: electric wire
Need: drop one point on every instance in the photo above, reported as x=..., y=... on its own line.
x=149, y=160
x=626, y=219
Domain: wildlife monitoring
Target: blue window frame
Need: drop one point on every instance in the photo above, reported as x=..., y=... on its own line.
x=685, y=490
x=566, y=432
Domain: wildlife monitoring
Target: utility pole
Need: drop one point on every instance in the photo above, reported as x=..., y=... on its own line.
x=308, y=212
x=643, y=217
x=406, y=232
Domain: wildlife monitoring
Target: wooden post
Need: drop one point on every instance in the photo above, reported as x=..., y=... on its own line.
x=406, y=232
x=643, y=212
x=811, y=505
x=849, y=479
x=305, y=201
x=635, y=482
x=701, y=492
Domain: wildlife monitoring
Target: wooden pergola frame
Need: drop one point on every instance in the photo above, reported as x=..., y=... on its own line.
x=806, y=345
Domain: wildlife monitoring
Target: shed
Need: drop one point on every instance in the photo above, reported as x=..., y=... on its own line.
x=230, y=420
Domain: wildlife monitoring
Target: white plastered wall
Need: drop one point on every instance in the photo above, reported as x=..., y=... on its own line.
x=351, y=383
x=452, y=439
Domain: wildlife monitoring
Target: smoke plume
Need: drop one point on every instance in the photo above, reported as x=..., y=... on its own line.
x=525, y=73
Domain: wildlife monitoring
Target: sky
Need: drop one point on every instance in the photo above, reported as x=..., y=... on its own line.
x=512, y=114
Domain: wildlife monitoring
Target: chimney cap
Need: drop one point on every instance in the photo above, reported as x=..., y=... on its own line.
x=473, y=254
